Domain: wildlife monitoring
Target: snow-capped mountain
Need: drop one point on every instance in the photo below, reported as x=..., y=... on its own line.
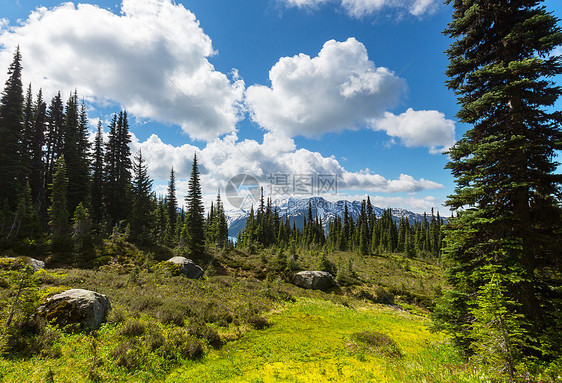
x=296, y=210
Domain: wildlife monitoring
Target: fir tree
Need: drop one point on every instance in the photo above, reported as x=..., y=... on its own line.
x=82, y=234
x=117, y=172
x=195, y=219
x=141, y=218
x=97, y=179
x=171, y=209
x=11, y=127
x=509, y=218
x=58, y=210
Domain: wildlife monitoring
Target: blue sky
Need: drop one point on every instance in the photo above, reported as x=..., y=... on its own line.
x=353, y=88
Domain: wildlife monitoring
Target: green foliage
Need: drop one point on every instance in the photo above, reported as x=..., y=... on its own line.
x=117, y=169
x=194, y=229
x=378, y=342
x=11, y=126
x=82, y=235
x=504, y=243
x=58, y=210
x=498, y=334
x=141, y=218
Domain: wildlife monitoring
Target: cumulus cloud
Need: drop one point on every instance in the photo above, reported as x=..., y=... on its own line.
x=428, y=128
x=362, y=8
x=342, y=89
x=151, y=59
x=339, y=89
x=228, y=156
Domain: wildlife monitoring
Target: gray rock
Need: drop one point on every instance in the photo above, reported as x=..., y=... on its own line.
x=316, y=280
x=77, y=306
x=36, y=264
x=187, y=267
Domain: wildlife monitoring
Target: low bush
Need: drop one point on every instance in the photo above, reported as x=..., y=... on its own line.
x=258, y=322
x=377, y=342
x=132, y=328
x=202, y=331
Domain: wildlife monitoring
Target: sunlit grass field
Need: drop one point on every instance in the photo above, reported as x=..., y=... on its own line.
x=312, y=341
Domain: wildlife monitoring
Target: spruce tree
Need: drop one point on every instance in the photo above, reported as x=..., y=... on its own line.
x=195, y=219
x=54, y=136
x=58, y=210
x=117, y=172
x=507, y=232
x=75, y=150
x=11, y=127
x=141, y=218
x=171, y=210
x=35, y=152
x=97, y=179
x=82, y=235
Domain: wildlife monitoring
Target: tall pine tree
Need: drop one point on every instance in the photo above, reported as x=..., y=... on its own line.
x=11, y=127
x=195, y=219
x=141, y=218
x=507, y=194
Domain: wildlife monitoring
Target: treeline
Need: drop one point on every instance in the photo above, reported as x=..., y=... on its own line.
x=366, y=235
x=60, y=193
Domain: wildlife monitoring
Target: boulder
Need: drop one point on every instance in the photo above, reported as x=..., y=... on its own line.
x=187, y=267
x=35, y=264
x=76, y=306
x=316, y=280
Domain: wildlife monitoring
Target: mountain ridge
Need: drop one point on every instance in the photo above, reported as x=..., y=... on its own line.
x=296, y=209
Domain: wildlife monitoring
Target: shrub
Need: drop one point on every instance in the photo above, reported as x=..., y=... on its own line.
x=258, y=322
x=201, y=330
x=185, y=344
x=377, y=342
x=132, y=328
x=28, y=337
x=128, y=355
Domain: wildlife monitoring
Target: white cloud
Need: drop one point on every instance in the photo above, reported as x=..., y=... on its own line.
x=342, y=89
x=226, y=157
x=152, y=59
x=362, y=8
x=305, y=3
x=428, y=128
x=339, y=89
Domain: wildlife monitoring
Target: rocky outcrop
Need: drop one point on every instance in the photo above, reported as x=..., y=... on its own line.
x=76, y=306
x=316, y=280
x=187, y=267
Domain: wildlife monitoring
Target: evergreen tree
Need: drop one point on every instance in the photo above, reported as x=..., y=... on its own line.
x=82, y=234
x=75, y=150
x=141, y=218
x=195, y=219
x=54, y=137
x=11, y=127
x=118, y=169
x=36, y=141
x=25, y=222
x=171, y=209
x=508, y=216
x=58, y=210
x=97, y=179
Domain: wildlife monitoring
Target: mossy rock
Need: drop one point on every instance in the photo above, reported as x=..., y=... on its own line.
x=84, y=308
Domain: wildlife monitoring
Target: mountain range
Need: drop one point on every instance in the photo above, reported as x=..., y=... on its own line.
x=296, y=209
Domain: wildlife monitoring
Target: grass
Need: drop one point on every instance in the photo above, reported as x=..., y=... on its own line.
x=316, y=340
x=243, y=322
